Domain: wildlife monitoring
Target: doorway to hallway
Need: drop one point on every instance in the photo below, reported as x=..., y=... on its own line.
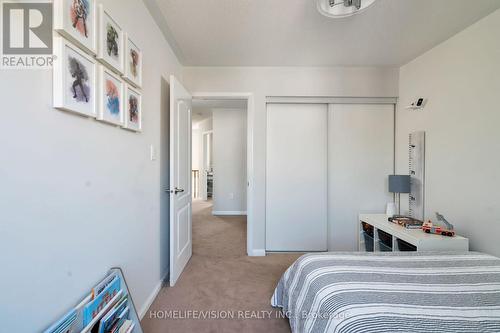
x=219, y=155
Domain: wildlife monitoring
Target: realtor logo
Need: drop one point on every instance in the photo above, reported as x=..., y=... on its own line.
x=26, y=34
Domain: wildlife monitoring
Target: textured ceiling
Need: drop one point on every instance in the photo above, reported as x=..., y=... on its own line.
x=293, y=33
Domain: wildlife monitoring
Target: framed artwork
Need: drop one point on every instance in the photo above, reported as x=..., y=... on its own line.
x=110, y=103
x=76, y=20
x=110, y=41
x=133, y=62
x=133, y=109
x=75, y=79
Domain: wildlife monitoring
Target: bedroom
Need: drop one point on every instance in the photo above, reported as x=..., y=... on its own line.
x=80, y=196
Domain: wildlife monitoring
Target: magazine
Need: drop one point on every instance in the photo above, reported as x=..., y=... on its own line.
x=126, y=326
x=113, y=316
x=92, y=309
x=102, y=285
x=64, y=324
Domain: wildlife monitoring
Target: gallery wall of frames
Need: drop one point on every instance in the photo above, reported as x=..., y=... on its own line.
x=97, y=66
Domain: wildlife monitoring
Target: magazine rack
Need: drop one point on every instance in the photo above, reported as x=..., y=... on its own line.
x=133, y=312
x=78, y=326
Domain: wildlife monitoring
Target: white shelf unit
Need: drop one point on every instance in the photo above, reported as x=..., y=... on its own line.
x=416, y=237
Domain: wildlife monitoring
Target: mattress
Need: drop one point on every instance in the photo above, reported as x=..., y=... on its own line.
x=391, y=292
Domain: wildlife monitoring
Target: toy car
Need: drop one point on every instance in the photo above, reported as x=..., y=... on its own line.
x=430, y=228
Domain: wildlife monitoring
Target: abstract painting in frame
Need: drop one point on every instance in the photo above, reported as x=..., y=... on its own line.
x=76, y=20
x=75, y=79
x=133, y=62
x=111, y=109
x=133, y=109
x=110, y=41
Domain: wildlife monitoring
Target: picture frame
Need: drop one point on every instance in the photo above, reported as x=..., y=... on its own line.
x=76, y=20
x=74, y=79
x=110, y=41
x=133, y=62
x=133, y=109
x=110, y=97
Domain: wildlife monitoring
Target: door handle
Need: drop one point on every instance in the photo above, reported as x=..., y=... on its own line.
x=175, y=190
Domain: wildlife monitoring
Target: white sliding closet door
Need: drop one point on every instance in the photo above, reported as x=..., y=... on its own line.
x=296, y=177
x=360, y=157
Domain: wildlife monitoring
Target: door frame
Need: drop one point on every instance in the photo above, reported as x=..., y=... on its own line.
x=249, y=97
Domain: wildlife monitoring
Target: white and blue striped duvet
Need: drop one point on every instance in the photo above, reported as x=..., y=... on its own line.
x=391, y=292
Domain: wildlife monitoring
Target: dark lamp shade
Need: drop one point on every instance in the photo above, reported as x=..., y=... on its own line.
x=399, y=184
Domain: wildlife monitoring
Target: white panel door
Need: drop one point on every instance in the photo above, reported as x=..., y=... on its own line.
x=296, y=177
x=180, y=179
x=360, y=158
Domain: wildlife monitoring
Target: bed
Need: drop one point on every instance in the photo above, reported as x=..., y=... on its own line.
x=391, y=292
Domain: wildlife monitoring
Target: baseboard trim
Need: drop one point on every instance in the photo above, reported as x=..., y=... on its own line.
x=257, y=253
x=228, y=212
x=149, y=301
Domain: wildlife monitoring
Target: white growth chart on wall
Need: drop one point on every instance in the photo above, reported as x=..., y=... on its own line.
x=417, y=174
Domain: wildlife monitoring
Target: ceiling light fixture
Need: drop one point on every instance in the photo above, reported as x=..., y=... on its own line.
x=342, y=8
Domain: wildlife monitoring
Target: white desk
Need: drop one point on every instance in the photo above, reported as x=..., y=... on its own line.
x=416, y=237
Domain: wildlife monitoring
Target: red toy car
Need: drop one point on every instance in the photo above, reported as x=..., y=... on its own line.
x=429, y=227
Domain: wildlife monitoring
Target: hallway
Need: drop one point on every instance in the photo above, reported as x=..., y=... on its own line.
x=221, y=278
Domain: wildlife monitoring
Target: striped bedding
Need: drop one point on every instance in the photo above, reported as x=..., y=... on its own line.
x=391, y=292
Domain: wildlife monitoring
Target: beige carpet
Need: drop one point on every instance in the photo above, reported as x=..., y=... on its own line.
x=220, y=278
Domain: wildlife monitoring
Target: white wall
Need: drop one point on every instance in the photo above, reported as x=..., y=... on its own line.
x=285, y=81
x=461, y=79
x=196, y=163
x=78, y=196
x=230, y=151
x=199, y=127
x=205, y=125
